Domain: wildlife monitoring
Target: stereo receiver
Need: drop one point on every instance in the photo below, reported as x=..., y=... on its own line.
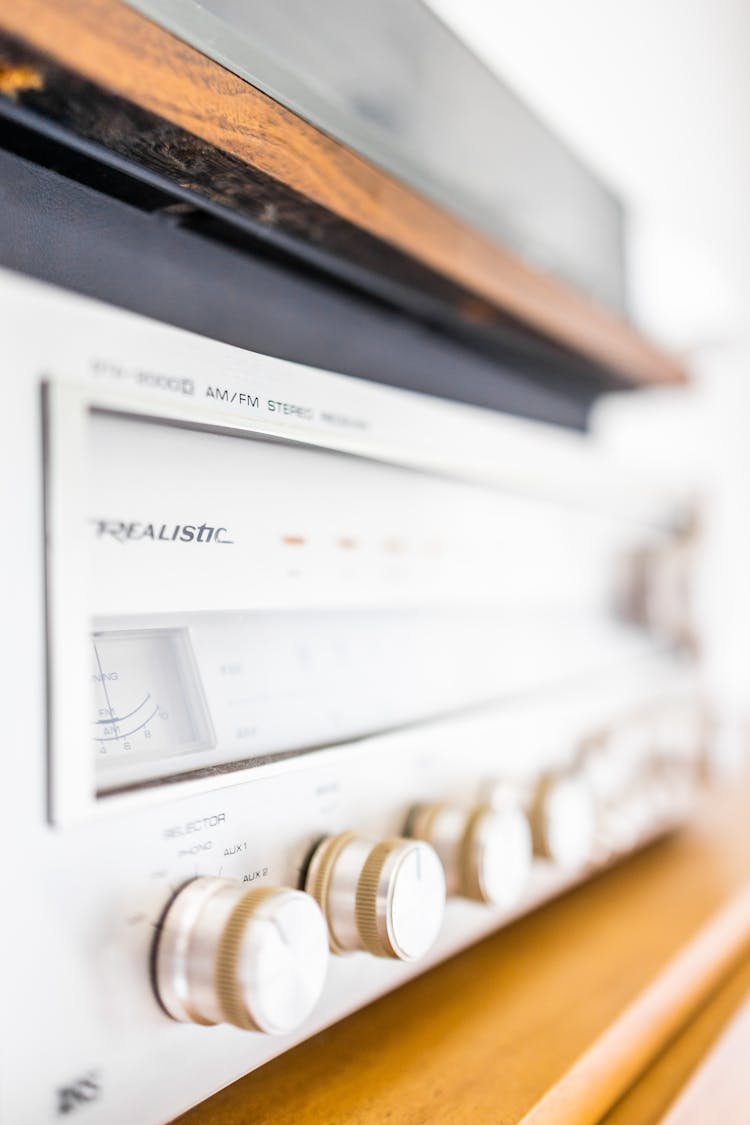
x=331, y=680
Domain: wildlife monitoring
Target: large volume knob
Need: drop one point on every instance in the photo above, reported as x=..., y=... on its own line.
x=253, y=958
x=563, y=820
x=486, y=851
x=385, y=898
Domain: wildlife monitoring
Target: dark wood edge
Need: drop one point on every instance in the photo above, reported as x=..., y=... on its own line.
x=121, y=51
x=54, y=118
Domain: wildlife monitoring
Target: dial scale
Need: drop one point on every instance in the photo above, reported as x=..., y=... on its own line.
x=322, y=695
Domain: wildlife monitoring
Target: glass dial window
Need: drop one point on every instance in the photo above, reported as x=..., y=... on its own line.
x=147, y=700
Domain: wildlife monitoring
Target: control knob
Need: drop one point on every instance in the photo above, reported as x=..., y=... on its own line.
x=256, y=959
x=486, y=851
x=386, y=898
x=563, y=820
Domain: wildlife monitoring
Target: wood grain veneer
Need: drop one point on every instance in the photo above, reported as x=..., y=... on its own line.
x=113, y=46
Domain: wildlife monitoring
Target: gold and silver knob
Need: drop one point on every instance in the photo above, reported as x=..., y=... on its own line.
x=256, y=959
x=386, y=898
x=486, y=851
x=563, y=820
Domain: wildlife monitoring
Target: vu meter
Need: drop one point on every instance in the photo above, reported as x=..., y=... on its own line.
x=148, y=702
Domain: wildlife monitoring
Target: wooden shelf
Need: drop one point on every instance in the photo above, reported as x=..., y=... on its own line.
x=698, y=1050
x=551, y=1020
x=229, y=142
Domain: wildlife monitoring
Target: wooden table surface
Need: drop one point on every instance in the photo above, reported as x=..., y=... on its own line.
x=695, y=1080
x=555, y=1018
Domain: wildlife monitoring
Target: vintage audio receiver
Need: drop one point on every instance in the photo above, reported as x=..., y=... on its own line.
x=328, y=680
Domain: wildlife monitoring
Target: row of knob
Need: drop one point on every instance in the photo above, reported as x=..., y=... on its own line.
x=257, y=959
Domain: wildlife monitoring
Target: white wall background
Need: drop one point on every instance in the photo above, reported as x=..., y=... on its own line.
x=655, y=95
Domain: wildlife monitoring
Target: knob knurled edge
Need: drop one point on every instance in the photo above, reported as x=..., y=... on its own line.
x=422, y=819
x=469, y=867
x=227, y=957
x=538, y=816
x=322, y=865
x=374, y=936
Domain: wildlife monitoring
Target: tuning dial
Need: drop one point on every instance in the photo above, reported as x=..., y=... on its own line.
x=486, y=851
x=253, y=958
x=563, y=821
x=386, y=898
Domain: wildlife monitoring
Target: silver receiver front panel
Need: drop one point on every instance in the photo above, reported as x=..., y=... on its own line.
x=314, y=654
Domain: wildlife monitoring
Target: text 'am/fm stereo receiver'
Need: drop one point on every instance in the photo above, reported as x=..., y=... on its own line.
x=339, y=678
